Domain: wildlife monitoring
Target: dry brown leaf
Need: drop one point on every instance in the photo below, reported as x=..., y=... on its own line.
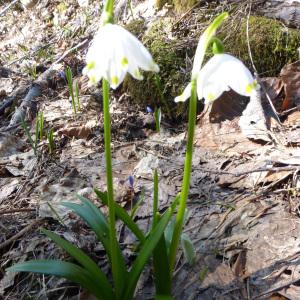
x=218, y=128
x=290, y=76
x=82, y=132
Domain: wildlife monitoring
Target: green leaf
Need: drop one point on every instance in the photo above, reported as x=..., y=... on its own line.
x=163, y=297
x=145, y=253
x=162, y=274
x=85, y=261
x=203, y=273
x=93, y=217
x=123, y=215
x=96, y=220
x=188, y=249
x=63, y=269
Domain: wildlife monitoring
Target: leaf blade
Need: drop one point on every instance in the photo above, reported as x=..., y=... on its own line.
x=84, y=260
x=63, y=269
x=123, y=216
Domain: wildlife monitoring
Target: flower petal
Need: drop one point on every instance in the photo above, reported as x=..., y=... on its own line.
x=222, y=72
x=185, y=95
x=113, y=53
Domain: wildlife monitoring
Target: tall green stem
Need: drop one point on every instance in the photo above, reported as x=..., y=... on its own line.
x=109, y=10
x=109, y=181
x=186, y=176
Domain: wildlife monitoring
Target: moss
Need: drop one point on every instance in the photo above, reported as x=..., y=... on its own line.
x=272, y=45
x=159, y=90
x=160, y=3
x=183, y=5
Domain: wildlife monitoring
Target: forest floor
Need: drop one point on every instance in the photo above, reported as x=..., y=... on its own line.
x=243, y=207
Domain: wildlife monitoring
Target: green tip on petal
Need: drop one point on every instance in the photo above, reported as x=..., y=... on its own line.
x=91, y=65
x=154, y=67
x=250, y=87
x=138, y=75
x=114, y=80
x=124, y=61
x=93, y=80
x=210, y=97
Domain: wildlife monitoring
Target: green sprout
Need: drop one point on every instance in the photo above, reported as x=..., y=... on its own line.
x=32, y=143
x=157, y=117
x=74, y=95
x=51, y=143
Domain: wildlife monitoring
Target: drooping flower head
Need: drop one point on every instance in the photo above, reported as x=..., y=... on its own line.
x=204, y=41
x=113, y=53
x=221, y=73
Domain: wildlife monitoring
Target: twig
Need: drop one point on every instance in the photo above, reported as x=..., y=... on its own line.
x=29, y=54
x=19, y=234
x=12, y=211
x=278, y=288
x=3, y=11
x=66, y=53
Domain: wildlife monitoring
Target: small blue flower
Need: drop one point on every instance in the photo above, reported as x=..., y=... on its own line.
x=149, y=110
x=62, y=74
x=130, y=180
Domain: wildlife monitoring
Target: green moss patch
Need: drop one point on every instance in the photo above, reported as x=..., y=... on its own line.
x=183, y=5
x=272, y=45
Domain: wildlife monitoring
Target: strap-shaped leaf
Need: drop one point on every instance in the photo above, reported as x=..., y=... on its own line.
x=188, y=249
x=85, y=261
x=145, y=253
x=122, y=214
x=63, y=269
x=94, y=218
x=162, y=274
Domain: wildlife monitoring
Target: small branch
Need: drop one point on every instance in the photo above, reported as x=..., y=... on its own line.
x=19, y=234
x=17, y=210
x=3, y=11
x=66, y=53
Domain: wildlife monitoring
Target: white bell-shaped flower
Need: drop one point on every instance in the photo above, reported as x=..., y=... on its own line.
x=113, y=53
x=221, y=73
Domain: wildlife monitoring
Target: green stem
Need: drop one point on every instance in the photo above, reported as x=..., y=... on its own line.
x=109, y=10
x=186, y=176
x=109, y=181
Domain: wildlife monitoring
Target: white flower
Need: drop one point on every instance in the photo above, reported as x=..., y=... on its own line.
x=113, y=53
x=221, y=73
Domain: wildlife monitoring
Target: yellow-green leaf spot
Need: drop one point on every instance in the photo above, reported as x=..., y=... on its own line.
x=250, y=87
x=114, y=80
x=124, y=62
